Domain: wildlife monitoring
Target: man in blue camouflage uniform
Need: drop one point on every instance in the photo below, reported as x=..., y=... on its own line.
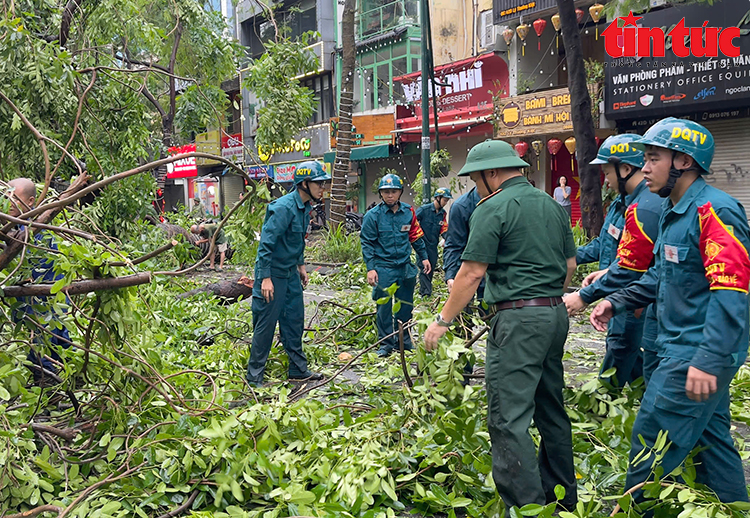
x=280, y=275
x=431, y=217
x=700, y=284
x=622, y=163
x=389, y=232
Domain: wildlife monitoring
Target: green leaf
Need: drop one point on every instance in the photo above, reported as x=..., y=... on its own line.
x=460, y=502
x=105, y=439
x=386, y=484
x=303, y=497
x=4, y=394
x=237, y=491
x=559, y=492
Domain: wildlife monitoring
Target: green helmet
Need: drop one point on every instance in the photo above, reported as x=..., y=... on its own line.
x=311, y=170
x=491, y=154
x=391, y=181
x=681, y=135
x=620, y=147
x=443, y=192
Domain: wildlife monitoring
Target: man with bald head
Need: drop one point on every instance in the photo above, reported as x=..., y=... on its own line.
x=34, y=312
x=22, y=195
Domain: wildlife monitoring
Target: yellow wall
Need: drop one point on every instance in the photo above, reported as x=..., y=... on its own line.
x=454, y=28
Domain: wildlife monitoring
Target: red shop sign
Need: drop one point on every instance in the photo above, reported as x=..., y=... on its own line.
x=470, y=85
x=231, y=146
x=184, y=168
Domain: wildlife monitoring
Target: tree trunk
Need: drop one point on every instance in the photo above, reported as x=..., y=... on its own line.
x=79, y=287
x=229, y=291
x=342, y=165
x=592, y=216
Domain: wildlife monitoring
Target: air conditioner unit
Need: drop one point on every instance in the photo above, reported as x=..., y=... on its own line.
x=487, y=30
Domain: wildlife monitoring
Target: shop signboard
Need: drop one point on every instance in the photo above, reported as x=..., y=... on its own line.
x=184, y=168
x=367, y=130
x=208, y=142
x=468, y=85
x=506, y=10
x=258, y=172
x=536, y=113
x=310, y=143
x=284, y=172
x=641, y=125
x=646, y=87
x=231, y=147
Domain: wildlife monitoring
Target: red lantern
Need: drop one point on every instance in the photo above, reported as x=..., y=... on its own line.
x=579, y=15
x=553, y=146
x=539, y=26
x=522, y=148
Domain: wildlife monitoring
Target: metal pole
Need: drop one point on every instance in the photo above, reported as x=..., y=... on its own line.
x=425, y=15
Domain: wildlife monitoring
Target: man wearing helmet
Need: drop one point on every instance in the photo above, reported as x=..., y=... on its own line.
x=631, y=226
x=699, y=282
x=431, y=217
x=389, y=232
x=280, y=275
x=522, y=240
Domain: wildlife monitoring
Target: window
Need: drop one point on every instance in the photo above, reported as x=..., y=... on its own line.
x=323, y=97
x=373, y=82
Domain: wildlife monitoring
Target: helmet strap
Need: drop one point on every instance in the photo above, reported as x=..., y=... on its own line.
x=386, y=203
x=304, y=188
x=484, y=179
x=674, y=175
x=623, y=181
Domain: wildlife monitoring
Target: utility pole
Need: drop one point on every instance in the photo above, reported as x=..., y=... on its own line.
x=426, y=184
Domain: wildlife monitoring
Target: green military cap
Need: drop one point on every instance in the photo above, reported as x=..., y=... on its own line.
x=491, y=154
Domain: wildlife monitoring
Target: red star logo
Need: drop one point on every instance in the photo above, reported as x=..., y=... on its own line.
x=630, y=19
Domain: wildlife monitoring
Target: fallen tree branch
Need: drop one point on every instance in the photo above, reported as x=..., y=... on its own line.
x=477, y=336
x=37, y=510
x=401, y=351
x=149, y=255
x=65, y=433
x=184, y=507
x=304, y=391
x=79, y=287
x=229, y=291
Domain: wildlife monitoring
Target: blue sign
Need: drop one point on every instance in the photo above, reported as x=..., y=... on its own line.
x=258, y=172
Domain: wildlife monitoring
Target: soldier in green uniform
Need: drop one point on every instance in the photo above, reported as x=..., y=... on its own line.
x=431, y=217
x=521, y=238
x=280, y=275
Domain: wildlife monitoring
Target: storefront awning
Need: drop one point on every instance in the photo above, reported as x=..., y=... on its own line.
x=370, y=152
x=363, y=153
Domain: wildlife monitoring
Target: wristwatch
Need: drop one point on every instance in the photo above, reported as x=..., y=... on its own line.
x=441, y=322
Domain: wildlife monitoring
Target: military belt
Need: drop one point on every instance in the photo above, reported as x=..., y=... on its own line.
x=516, y=304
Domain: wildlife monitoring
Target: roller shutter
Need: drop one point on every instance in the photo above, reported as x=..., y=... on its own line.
x=232, y=186
x=731, y=164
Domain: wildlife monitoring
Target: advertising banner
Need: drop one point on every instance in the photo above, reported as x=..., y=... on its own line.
x=231, y=147
x=185, y=168
x=284, y=172
x=646, y=86
x=258, y=172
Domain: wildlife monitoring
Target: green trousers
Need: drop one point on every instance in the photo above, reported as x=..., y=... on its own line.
x=524, y=374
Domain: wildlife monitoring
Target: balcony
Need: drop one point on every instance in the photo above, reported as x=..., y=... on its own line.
x=386, y=17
